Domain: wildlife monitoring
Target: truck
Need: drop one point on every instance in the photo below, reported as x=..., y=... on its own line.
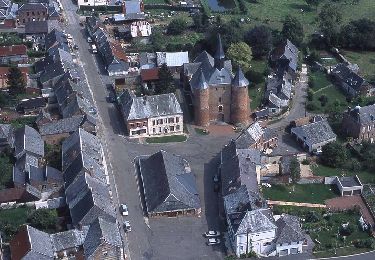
x=93, y=48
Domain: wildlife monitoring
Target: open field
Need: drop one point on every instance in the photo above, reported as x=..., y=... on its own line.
x=308, y=193
x=365, y=61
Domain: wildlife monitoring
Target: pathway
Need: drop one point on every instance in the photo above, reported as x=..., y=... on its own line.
x=296, y=204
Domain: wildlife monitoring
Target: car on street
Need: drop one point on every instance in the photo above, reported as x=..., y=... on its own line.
x=124, y=210
x=93, y=48
x=75, y=46
x=89, y=40
x=216, y=178
x=110, y=87
x=212, y=233
x=213, y=241
x=127, y=226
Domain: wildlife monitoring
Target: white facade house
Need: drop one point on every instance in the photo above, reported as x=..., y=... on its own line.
x=157, y=115
x=93, y=3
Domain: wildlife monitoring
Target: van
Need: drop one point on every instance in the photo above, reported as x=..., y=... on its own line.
x=93, y=48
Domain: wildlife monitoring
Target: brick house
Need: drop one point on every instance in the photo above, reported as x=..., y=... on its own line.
x=359, y=123
x=157, y=115
x=13, y=54
x=32, y=12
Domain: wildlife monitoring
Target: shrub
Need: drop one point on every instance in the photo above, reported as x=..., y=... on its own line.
x=346, y=231
x=312, y=216
x=305, y=162
x=311, y=107
x=364, y=243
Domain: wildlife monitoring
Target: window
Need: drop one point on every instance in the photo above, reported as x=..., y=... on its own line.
x=134, y=132
x=38, y=13
x=144, y=123
x=27, y=13
x=220, y=108
x=142, y=131
x=154, y=130
x=172, y=128
x=159, y=129
x=44, y=13
x=219, y=99
x=171, y=120
x=131, y=125
x=153, y=122
x=177, y=127
x=165, y=120
x=138, y=124
x=32, y=13
x=55, y=185
x=177, y=119
x=160, y=121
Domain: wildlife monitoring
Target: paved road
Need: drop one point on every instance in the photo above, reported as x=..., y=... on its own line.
x=163, y=238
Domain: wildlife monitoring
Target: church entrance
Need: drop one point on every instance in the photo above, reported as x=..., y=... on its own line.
x=220, y=117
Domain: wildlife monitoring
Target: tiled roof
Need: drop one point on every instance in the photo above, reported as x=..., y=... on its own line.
x=315, y=133
x=168, y=183
x=148, y=106
x=66, y=125
x=5, y=131
x=13, y=50
x=150, y=74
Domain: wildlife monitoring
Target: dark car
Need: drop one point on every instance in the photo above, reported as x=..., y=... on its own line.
x=111, y=98
x=110, y=87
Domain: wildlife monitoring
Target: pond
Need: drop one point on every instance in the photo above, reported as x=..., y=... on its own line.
x=221, y=5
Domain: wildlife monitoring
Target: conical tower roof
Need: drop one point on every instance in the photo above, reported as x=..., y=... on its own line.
x=199, y=81
x=239, y=80
x=219, y=54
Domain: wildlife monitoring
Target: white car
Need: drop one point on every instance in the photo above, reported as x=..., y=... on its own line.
x=212, y=233
x=127, y=226
x=213, y=241
x=89, y=40
x=124, y=210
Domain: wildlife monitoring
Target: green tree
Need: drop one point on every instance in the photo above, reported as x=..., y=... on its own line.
x=334, y=155
x=368, y=155
x=177, y=26
x=166, y=81
x=43, y=219
x=200, y=21
x=292, y=30
x=241, y=55
x=260, y=40
x=157, y=39
x=295, y=170
x=313, y=3
x=16, y=81
x=330, y=20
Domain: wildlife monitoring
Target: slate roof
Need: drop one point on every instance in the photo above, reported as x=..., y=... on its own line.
x=349, y=181
x=29, y=140
x=219, y=54
x=286, y=54
x=363, y=115
x=250, y=136
x=5, y=4
x=172, y=59
x=36, y=27
x=32, y=7
x=288, y=229
x=148, y=106
x=102, y=231
x=198, y=81
x=31, y=103
x=67, y=239
x=168, y=183
x=315, y=133
x=242, y=200
x=239, y=80
x=55, y=37
x=254, y=221
x=346, y=75
x=239, y=168
x=5, y=131
x=40, y=242
x=66, y=125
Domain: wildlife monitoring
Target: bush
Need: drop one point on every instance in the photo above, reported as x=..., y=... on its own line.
x=346, y=231
x=312, y=216
x=310, y=95
x=364, y=243
x=311, y=107
x=177, y=26
x=305, y=162
x=254, y=77
x=43, y=219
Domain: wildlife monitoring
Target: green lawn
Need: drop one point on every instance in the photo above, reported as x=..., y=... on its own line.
x=349, y=250
x=309, y=193
x=20, y=122
x=364, y=176
x=257, y=82
x=11, y=219
x=166, y=139
x=322, y=86
x=365, y=61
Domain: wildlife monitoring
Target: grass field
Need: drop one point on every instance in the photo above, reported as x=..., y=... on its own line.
x=256, y=90
x=364, y=176
x=365, y=61
x=166, y=139
x=309, y=193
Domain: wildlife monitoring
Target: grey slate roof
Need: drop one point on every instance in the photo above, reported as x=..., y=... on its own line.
x=288, y=229
x=6, y=131
x=66, y=125
x=239, y=79
x=27, y=139
x=148, y=106
x=346, y=75
x=198, y=81
x=315, y=133
x=363, y=115
x=349, y=181
x=168, y=183
x=36, y=27
x=219, y=54
x=55, y=37
x=242, y=200
x=254, y=221
x=32, y=7
x=239, y=168
x=102, y=231
x=68, y=239
x=286, y=54
x=40, y=242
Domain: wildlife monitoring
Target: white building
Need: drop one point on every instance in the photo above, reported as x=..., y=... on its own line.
x=157, y=115
x=93, y=3
x=140, y=29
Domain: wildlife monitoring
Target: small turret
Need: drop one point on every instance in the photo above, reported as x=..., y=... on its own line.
x=240, y=107
x=199, y=88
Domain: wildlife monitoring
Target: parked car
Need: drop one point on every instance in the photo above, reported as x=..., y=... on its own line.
x=212, y=233
x=89, y=40
x=216, y=187
x=213, y=241
x=127, y=226
x=111, y=98
x=75, y=47
x=216, y=178
x=124, y=210
x=110, y=87
x=93, y=48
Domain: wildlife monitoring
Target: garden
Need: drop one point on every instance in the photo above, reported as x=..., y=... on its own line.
x=334, y=233
x=166, y=139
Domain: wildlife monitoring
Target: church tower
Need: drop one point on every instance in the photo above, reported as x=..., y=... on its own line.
x=240, y=107
x=199, y=86
x=219, y=54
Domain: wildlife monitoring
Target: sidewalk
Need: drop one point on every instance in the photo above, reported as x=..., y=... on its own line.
x=297, y=204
